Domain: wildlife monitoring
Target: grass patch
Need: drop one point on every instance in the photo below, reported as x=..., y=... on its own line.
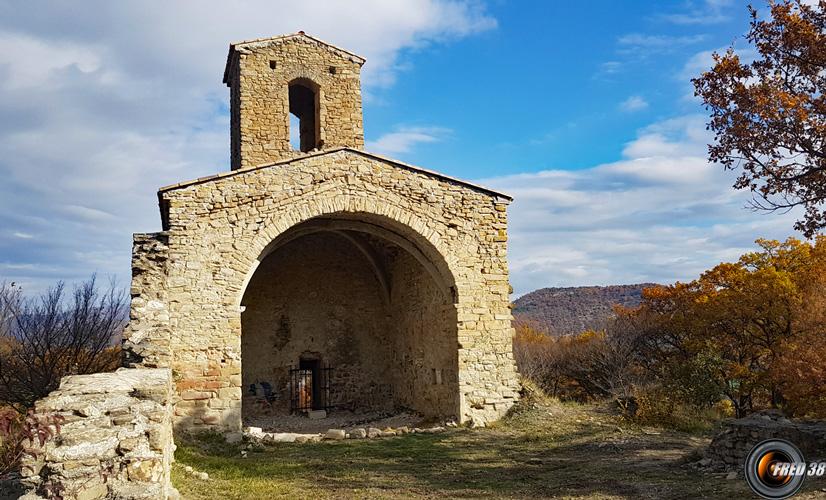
x=542, y=449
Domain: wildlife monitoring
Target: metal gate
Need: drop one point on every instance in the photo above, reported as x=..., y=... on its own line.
x=310, y=387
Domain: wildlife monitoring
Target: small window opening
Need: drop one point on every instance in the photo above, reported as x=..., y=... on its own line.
x=332, y=70
x=272, y=64
x=304, y=106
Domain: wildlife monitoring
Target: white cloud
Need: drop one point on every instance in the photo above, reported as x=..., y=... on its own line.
x=698, y=63
x=609, y=68
x=676, y=137
x=29, y=61
x=404, y=139
x=104, y=102
x=661, y=214
x=643, y=45
x=633, y=103
x=702, y=13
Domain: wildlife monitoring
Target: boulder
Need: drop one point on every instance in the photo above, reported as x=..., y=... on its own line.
x=335, y=434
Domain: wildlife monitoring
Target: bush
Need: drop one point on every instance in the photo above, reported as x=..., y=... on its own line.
x=18, y=432
x=542, y=359
x=45, y=338
x=661, y=407
x=591, y=365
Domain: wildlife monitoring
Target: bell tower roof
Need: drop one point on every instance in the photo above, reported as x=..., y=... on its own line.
x=245, y=46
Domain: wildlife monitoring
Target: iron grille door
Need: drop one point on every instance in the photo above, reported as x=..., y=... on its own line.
x=310, y=388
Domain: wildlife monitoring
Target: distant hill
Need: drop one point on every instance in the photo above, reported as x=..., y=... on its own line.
x=565, y=311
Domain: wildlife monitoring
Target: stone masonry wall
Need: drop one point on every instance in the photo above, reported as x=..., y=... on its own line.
x=116, y=441
x=728, y=450
x=218, y=228
x=317, y=295
x=260, y=74
x=424, y=360
x=146, y=338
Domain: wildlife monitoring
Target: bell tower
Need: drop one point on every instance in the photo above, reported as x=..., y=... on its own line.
x=271, y=79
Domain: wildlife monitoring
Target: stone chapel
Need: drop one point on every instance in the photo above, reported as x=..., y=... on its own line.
x=317, y=275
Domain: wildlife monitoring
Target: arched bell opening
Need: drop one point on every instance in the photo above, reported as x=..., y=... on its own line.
x=304, y=107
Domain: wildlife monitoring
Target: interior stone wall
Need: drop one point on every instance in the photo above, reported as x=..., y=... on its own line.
x=317, y=295
x=424, y=363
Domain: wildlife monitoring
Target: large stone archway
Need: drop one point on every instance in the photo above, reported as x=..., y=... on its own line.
x=351, y=293
x=189, y=281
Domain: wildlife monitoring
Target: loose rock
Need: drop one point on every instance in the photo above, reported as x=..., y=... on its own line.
x=335, y=434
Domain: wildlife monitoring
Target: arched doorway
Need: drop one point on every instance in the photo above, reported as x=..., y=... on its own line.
x=349, y=313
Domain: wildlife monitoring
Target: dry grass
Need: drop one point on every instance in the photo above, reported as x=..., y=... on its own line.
x=544, y=449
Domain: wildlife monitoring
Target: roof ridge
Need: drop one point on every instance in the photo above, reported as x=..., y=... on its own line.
x=293, y=35
x=414, y=168
x=234, y=47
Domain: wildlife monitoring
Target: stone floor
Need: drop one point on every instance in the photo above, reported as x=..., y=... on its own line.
x=336, y=419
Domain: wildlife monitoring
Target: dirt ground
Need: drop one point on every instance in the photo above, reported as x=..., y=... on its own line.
x=336, y=419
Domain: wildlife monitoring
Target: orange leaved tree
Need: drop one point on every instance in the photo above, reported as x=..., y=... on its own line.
x=751, y=331
x=769, y=115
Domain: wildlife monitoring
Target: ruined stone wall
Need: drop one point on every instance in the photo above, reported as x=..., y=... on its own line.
x=317, y=296
x=730, y=447
x=424, y=356
x=218, y=228
x=259, y=88
x=116, y=440
x=146, y=337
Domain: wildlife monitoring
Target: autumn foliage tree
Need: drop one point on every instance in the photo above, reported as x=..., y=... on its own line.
x=745, y=335
x=748, y=331
x=769, y=114
x=800, y=370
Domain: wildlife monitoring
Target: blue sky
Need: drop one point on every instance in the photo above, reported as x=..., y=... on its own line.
x=582, y=111
x=545, y=88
